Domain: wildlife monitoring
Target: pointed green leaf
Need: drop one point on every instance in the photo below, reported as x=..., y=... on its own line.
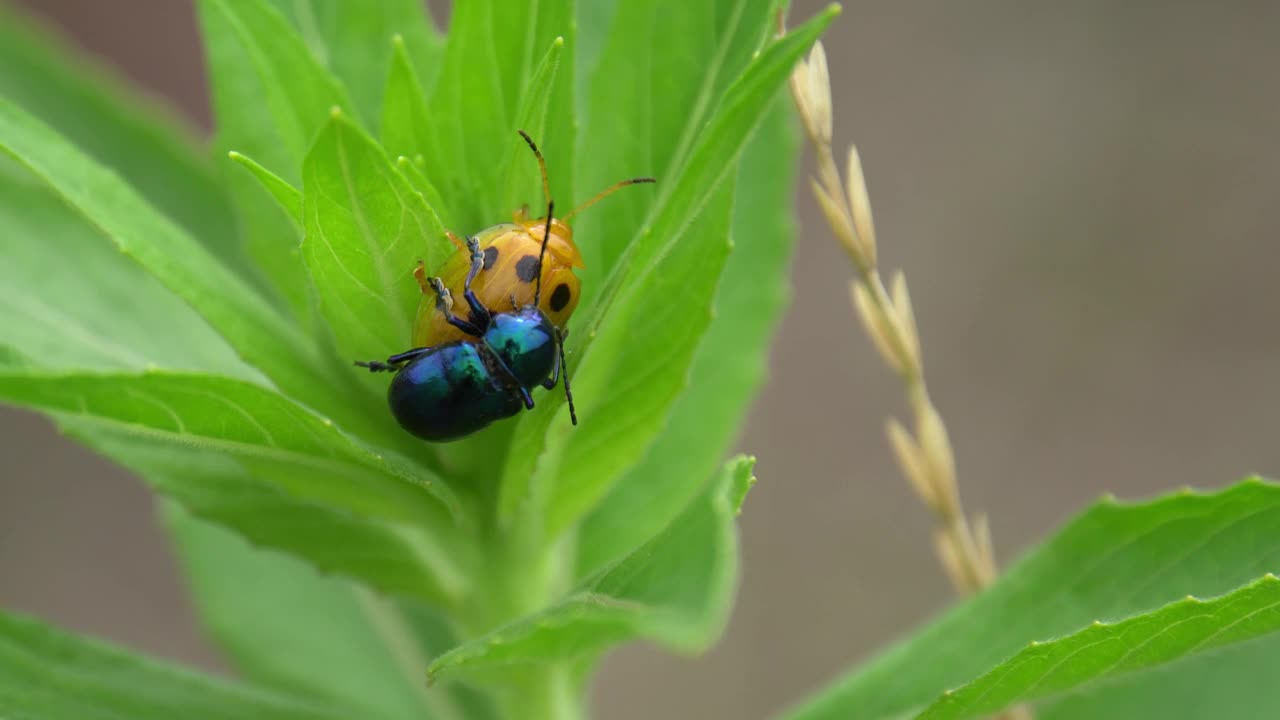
x=254, y=328
x=522, y=181
x=337, y=643
x=253, y=47
x=708, y=44
x=1104, y=651
x=405, y=126
x=270, y=97
x=1115, y=561
x=366, y=231
x=492, y=52
x=676, y=590
x=353, y=41
x=404, y=108
x=288, y=196
x=729, y=364
x=51, y=675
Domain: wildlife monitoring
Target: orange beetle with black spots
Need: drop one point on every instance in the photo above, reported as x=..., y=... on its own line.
x=512, y=254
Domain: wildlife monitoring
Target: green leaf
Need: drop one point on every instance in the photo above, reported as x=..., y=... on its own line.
x=521, y=180
x=367, y=228
x=677, y=590
x=252, y=48
x=300, y=453
x=353, y=41
x=618, y=408
x=405, y=114
x=648, y=44
x=405, y=123
x=492, y=51
x=287, y=196
x=1115, y=561
x=50, y=675
x=270, y=97
x=254, y=328
x=72, y=301
x=634, y=388
x=248, y=499
x=337, y=643
x=412, y=171
x=729, y=364
x=1105, y=650
x=147, y=144
x=1234, y=682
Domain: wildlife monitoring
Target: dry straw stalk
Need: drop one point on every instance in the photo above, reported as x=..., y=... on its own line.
x=963, y=545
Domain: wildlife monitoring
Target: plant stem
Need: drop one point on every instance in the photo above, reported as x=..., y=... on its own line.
x=547, y=693
x=524, y=576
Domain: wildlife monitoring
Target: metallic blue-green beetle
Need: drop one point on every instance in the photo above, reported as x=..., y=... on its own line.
x=448, y=391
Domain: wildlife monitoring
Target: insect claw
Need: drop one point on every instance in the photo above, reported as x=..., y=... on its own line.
x=444, y=299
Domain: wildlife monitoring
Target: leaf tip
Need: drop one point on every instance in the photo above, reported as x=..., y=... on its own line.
x=235, y=155
x=558, y=42
x=335, y=112
x=397, y=41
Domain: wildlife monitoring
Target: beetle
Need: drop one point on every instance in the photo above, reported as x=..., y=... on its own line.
x=447, y=391
x=512, y=253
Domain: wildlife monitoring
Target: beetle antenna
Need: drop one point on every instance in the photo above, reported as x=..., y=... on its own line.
x=564, y=372
x=606, y=193
x=546, y=236
x=542, y=164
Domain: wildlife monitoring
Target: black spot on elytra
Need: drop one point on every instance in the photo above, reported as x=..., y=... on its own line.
x=490, y=256
x=560, y=298
x=527, y=268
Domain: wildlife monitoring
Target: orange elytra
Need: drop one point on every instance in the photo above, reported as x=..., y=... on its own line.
x=513, y=256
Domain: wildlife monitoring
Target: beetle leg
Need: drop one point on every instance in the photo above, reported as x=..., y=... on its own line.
x=395, y=362
x=550, y=382
x=528, y=399
x=444, y=303
x=478, y=310
x=376, y=366
x=515, y=384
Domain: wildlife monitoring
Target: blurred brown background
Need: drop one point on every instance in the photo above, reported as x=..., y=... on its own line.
x=1084, y=198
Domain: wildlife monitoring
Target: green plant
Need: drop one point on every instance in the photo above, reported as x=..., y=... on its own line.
x=204, y=332
x=194, y=318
